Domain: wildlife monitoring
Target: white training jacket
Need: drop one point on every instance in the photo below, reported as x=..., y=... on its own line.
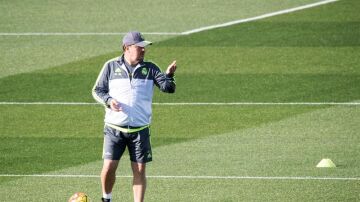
x=133, y=91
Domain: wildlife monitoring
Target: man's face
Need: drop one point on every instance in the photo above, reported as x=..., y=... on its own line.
x=134, y=54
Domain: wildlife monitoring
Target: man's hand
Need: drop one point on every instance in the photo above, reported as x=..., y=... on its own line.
x=115, y=105
x=171, y=68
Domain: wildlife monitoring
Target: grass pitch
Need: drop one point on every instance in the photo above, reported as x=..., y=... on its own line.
x=306, y=56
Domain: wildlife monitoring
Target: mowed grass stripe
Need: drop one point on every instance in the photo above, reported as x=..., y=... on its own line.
x=257, y=152
x=226, y=24
x=279, y=66
x=191, y=190
x=69, y=87
x=95, y=17
x=46, y=52
x=65, y=134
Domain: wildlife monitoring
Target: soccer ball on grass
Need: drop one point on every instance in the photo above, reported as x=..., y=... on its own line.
x=79, y=197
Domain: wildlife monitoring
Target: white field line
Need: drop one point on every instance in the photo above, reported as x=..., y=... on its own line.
x=82, y=33
x=195, y=103
x=49, y=103
x=195, y=177
x=239, y=21
x=267, y=15
x=259, y=103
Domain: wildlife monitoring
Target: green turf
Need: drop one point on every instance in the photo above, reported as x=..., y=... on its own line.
x=332, y=25
x=76, y=87
x=28, y=53
x=20, y=54
x=289, y=147
x=307, y=56
x=289, y=74
x=52, y=130
x=115, y=16
x=37, y=155
x=193, y=190
x=271, y=149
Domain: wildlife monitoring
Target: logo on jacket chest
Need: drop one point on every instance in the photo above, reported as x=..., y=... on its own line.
x=118, y=72
x=144, y=71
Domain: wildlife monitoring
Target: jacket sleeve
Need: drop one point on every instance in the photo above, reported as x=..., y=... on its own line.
x=100, y=91
x=166, y=83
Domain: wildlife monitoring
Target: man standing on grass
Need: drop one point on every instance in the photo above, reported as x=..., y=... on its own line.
x=125, y=86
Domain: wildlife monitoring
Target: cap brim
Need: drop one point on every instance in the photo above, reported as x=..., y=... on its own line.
x=143, y=43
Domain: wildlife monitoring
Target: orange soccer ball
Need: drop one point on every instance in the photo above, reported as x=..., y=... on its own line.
x=79, y=197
